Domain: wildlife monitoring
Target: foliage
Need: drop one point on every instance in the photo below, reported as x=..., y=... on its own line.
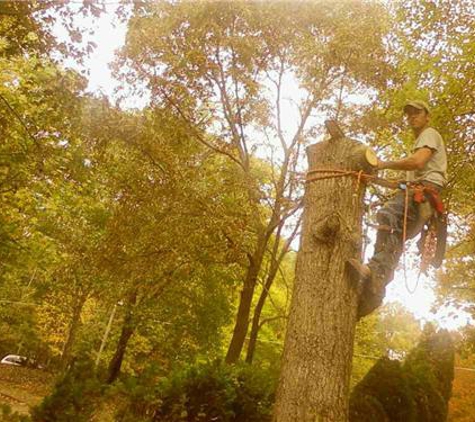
x=392, y=331
x=417, y=390
x=205, y=392
x=6, y=415
x=196, y=196
x=221, y=69
x=74, y=396
x=40, y=102
x=383, y=395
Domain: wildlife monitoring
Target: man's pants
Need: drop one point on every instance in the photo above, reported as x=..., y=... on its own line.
x=389, y=240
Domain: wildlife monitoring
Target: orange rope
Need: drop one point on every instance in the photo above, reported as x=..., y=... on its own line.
x=406, y=206
x=335, y=173
x=404, y=238
x=358, y=181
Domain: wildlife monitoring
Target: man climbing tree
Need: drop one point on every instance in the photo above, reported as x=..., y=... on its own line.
x=405, y=214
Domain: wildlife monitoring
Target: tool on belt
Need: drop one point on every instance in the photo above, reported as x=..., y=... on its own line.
x=432, y=250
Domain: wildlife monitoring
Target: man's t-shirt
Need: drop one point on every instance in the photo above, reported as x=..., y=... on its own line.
x=435, y=170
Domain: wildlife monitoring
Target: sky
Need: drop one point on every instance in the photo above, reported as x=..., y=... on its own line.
x=417, y=297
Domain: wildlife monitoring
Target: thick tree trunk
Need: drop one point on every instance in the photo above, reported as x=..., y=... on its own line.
x=128, y=329
x=316, y=366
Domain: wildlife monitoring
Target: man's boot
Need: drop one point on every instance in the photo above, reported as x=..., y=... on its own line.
x=371, y=298
x=373, y=291
x=358, y=270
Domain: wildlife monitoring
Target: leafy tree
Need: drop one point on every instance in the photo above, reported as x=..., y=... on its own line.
x=391, y=332
x=158, y=180
x=221, y=69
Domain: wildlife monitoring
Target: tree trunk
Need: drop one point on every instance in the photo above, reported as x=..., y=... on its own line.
x=244, y=310
x=73, y=328
x=128, y=329
x=257, y=314
x=242, y=318
x=255, y=320
x=276, y=259
x=316, y=366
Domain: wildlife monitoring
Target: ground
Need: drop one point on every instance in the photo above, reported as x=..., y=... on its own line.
x=22, y=388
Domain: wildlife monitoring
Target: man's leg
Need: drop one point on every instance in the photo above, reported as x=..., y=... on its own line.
x=389, y=240
x=387, y=250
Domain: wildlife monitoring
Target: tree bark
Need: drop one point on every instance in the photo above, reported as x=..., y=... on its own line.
x=316, y=366
x=128, y=329
x=73, y=328
x=256, y=319
x=241, y=325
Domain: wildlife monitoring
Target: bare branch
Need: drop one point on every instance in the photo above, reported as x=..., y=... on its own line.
x=267, y=320
x=228, y=112
x=196, y=131
x=280, y=133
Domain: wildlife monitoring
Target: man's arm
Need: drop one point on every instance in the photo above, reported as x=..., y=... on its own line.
x=416, y=161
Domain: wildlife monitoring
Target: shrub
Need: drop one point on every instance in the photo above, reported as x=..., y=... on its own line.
x=203, y=392
x=7, y=415
x=383, y=391
x=73, y=397
x=418, y=390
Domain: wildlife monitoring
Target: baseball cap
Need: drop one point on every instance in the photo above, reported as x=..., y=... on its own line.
x=419, y=104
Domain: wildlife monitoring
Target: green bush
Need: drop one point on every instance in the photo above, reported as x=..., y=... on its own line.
x=416, y=391
x=7, y=415
x=383, y=392
x=73, y=397
x=139, y=396
x=431, y=370
x=202, y=392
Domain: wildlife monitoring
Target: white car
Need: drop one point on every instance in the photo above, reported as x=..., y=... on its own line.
x=15, y=360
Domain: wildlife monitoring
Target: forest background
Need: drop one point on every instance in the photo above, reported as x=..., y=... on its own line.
x=165, y=235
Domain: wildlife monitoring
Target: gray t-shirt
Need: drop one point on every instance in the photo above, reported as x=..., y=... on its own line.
x=435, y=170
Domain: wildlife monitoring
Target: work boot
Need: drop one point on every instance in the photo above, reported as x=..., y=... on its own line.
x=372, y=293
x=370, y=298
x=358, y=271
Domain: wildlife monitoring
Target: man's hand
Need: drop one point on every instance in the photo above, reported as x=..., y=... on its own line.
x=381, y=164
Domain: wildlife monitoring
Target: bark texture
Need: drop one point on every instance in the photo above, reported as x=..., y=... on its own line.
x=128, y=329
x=73, y=329
x=316, y=366
x=241, y=326
x=256, y=319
